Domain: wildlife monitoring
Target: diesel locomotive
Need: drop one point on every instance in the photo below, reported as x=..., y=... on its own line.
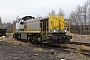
x=50, y=30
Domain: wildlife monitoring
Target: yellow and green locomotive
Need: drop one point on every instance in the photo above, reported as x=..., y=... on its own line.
x=50, y=30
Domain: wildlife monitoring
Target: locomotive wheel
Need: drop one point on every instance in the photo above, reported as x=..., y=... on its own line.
x=30, y=39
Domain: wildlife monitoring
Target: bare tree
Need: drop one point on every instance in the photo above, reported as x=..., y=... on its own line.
x=85, y=15
x=85, y=11
x=0, y=21
x=89, y=12
x=80, y=16
x=61, y=13
x=76, y=17
x=52, y=12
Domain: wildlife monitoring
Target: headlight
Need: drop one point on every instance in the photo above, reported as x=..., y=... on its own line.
x=65, y=30
x=54, y=30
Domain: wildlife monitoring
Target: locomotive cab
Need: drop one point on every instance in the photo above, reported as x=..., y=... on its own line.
x=21, y=21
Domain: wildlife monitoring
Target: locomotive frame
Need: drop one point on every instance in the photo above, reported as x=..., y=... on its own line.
x=50, y=30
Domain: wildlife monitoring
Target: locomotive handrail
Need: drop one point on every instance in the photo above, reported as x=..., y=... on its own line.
x=67, y=25
x=46, y=28
x=29, y=31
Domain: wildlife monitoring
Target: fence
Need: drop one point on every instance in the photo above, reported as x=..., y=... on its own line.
x=83, y=30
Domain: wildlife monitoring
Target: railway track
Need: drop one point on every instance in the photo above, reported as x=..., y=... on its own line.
x=74, y=50
x=68, y=49
x=85, y=52
x=80, y=43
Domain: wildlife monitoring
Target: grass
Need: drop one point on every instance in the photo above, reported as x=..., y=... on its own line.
x=38, y=49
x=81, y=55
x=80, y=48
x=65, y=45
x=83, y=47
x=88, y=58
x=13, y=41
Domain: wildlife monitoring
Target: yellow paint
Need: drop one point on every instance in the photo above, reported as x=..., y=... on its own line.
x=67, y=25
x=56, y=22
x=14, y=29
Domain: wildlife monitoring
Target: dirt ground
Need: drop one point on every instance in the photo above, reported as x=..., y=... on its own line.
x=80, y=38
x=11, y=49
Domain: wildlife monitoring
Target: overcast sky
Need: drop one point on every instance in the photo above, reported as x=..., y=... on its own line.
x=10, y=9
